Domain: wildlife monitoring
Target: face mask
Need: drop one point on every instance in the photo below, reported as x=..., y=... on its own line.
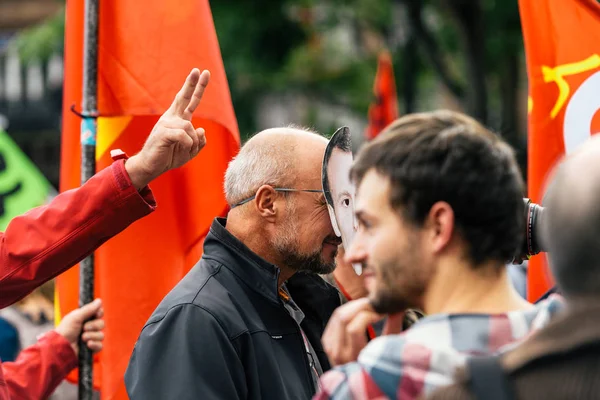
x=339, y=190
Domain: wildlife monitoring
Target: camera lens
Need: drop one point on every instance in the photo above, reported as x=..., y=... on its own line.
x=534, y=219
x=534, y=214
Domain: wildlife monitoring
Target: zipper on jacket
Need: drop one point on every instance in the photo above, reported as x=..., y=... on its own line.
x=303, y=345
x=307, y=368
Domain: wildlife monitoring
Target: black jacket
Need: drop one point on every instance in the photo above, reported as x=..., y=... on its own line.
x=223, y=331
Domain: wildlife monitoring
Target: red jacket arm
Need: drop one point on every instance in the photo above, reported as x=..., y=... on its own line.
x=50, y=239
x=40, y=368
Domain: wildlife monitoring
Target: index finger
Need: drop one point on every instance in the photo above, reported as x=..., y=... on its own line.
x=197, y=95
x=351, y=308
x=184, y=96
x=336, y=326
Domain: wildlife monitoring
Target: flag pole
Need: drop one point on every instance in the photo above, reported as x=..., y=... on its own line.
x=88, y=169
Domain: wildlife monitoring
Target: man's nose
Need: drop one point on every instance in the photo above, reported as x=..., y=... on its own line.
x=356, y=253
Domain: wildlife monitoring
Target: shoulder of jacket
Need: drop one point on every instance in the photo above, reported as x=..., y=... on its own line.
x=200, y=313
x=204, y=299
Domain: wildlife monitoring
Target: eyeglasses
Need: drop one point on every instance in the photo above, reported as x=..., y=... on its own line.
x=278, y=190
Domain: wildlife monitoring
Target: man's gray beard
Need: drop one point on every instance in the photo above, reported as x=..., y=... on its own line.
x=286, y=244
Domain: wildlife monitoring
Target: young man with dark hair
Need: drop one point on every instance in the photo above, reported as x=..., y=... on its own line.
x=561, y=360
x=439, y=212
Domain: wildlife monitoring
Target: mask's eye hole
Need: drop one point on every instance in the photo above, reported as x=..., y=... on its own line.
x=346, y=202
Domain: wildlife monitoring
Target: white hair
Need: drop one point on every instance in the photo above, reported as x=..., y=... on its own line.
x=254, y=166
x=266, y=159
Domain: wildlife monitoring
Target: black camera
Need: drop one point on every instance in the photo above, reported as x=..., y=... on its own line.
x=534, y=218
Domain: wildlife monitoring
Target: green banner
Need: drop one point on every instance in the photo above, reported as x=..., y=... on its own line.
x=22, y=185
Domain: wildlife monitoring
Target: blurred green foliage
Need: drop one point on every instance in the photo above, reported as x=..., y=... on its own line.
x=327, y=49
x=40, y=42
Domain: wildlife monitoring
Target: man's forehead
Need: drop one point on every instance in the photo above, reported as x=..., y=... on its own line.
x=308, y=166
x=306, y=174
x=372, y=192
x=310, y=181
x=339, y=159
x=338, y=170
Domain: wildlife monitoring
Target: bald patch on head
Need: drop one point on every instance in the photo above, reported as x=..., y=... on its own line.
x=287, y=139
x=289, y=146
x=276, y=157
x=571, y=229
x=288, y=131
x=577, y=178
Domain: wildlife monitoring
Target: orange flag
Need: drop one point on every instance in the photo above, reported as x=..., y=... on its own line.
x=385, y=108
x=562, y=45
x=146, y=49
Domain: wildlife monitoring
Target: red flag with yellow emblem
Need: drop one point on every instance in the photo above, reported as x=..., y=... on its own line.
x=146, y=49
x=562, y=45
x=384, y=110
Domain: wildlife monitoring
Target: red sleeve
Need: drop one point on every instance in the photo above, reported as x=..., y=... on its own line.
x=40, y=368
x=48, y=240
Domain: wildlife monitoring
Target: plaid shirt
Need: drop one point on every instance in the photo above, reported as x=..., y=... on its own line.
x=416, y=362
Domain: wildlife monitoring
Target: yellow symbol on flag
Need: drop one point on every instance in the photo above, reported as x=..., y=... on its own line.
x=558, y=73
x=109, y=129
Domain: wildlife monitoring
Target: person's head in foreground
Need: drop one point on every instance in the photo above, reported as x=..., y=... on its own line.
x=571, y=229
x=278, y=208
x=561, y=360
x=440, y=212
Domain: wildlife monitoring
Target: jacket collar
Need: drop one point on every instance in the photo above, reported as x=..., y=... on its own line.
x=575, y=327
x=253, y=270
x=313, y=295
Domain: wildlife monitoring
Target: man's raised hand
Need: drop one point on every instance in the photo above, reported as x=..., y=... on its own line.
x=346, y=333
x=173, y=140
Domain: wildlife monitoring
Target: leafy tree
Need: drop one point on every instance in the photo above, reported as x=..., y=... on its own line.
x=327, y=49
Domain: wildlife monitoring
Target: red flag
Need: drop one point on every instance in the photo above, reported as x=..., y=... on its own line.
x=146, y=49
x=562, y=45
x=385, y=108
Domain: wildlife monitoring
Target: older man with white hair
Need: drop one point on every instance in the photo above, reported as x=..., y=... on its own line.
x=230, y=329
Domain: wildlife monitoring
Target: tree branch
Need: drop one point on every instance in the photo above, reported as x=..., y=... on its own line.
x=432, y=51
x=469, y=16
x=409, y=68
x=509, y=125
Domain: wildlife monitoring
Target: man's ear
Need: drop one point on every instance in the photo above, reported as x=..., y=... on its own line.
x=440, y=220
x=265, y=202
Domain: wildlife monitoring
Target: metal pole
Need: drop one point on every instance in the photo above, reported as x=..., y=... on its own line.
x=88, y=169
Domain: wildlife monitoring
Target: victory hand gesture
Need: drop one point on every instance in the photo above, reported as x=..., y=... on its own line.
x=173, y=140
